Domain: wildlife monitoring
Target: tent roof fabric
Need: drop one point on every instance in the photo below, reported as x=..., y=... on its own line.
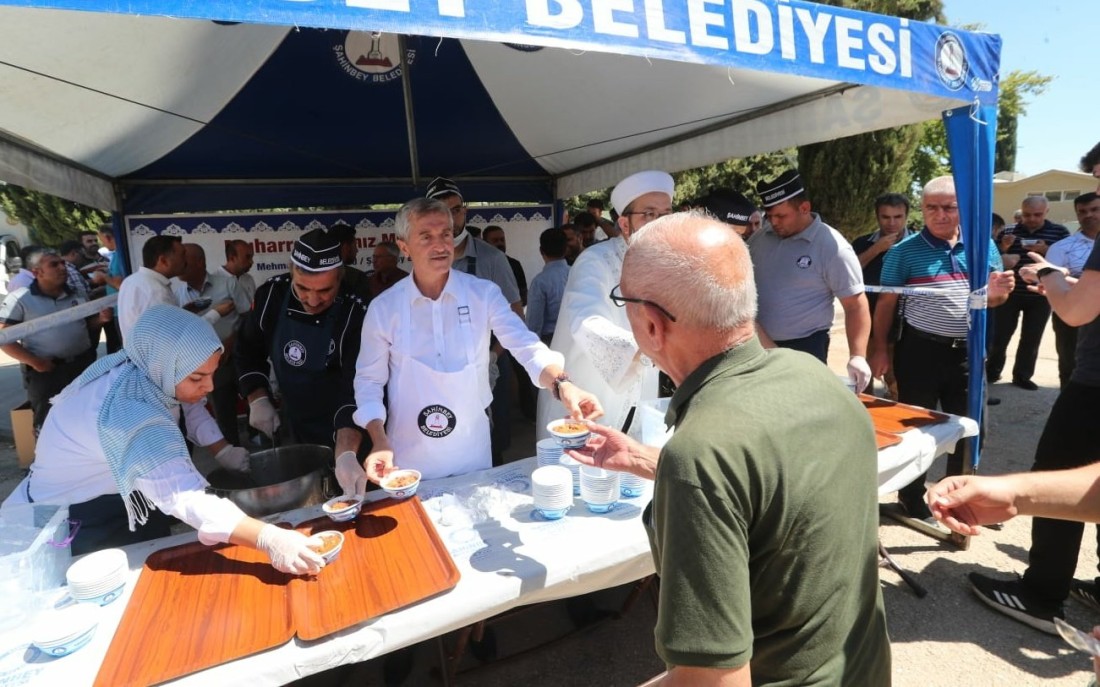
x=161, y=115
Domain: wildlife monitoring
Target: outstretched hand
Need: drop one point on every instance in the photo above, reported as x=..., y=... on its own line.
x=965, y=502
x=611, y=449
x=580, y=404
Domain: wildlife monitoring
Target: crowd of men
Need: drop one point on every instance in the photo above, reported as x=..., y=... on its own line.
x=418, y=370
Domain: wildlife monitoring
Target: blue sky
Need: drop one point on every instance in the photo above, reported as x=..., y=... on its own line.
x=1056, y=38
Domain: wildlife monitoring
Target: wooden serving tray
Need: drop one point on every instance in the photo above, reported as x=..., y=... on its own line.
x=197, y=606
x=392, y=557
x=890, y=416
x=886, y=439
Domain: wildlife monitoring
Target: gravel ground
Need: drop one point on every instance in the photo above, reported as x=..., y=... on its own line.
x=946, y=639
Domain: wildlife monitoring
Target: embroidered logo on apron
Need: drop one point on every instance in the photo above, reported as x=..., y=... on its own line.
x=436, y=421
x=803, y=262
x=294, y=353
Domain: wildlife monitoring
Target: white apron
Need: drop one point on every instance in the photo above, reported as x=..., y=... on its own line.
x=436, y=421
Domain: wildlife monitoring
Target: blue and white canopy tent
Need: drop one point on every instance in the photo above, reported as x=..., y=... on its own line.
x=152, y=106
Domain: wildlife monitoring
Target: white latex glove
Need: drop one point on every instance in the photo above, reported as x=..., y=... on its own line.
x=859, y=372
x=263, y=416
x=289, y=551
x=350, y=474
x=233, y=458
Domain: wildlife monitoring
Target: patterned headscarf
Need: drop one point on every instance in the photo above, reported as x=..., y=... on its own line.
x=137, y=427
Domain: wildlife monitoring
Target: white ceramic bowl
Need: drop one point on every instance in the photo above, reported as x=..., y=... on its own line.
x=332, y=553
x=345, y=512
x=568, y=439
x=62, y=631
x=403, y=491
x=95, y=568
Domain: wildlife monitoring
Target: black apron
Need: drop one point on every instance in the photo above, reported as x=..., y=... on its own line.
x=310, y=386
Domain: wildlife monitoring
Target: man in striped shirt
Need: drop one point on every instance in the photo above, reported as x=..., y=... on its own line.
x=930, y=358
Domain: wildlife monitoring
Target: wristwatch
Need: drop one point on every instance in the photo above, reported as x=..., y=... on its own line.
x=558, y=381
x=1044, y=271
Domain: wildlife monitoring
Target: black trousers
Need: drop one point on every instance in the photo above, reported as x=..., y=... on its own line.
x=816, y=344
x=1071, y=438
x=104, y=525
x=1065, y=342
x=1036, y=311
x=114, y=336
x=501, y=433
x=931, y=374
x=42, y=386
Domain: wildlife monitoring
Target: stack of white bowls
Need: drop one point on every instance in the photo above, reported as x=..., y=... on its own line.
x=552, y=488
x=575, y=468
x=599, y=488
x=62, y=631
x=630, y=485
x=548, y=452
x=99, y=577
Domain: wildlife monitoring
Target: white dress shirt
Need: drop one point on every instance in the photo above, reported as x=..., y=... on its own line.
x=246, y=282
x=71, y=467
x=218, y=287
x=22, y=279
x=1071, y=253
x=436, y=337
x=138, y=292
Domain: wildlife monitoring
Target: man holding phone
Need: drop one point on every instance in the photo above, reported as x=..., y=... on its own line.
x=1034, y=233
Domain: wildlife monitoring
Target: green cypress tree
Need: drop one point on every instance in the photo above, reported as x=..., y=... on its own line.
x=49, y=219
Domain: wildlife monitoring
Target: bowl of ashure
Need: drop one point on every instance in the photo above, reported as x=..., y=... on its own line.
x=328, y=544
x=343, y=508
x=401, y=484
x=569, y=433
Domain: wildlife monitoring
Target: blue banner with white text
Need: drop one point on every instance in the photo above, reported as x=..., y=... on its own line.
x=786, y=36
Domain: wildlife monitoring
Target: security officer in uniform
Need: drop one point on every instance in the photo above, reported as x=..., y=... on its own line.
x=305, y=325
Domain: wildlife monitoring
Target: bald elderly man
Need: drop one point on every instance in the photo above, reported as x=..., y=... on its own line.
x=738, y=514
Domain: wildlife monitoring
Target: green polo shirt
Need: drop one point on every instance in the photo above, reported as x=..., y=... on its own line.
x=764, y=523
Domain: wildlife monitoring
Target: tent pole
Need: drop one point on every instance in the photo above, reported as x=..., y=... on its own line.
x=410, y=120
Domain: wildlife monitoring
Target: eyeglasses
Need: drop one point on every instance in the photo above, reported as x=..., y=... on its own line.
x=650, y=215
x=949, y=209
x=620, y=300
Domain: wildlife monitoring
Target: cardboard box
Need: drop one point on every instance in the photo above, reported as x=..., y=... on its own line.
x=22, y=427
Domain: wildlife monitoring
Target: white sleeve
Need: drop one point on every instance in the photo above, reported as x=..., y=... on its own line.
x=202, y=429
x=129, y=305
x=1057, y=253
x=178, y=489
x=372, y=367
x=610, y=347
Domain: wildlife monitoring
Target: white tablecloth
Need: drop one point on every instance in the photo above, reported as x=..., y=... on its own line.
x=506, y=559
x=901, y=464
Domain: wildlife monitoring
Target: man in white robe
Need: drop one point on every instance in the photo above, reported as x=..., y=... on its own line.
x=593, y=333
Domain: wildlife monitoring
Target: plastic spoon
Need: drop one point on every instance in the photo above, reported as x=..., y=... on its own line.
x=1077, y=639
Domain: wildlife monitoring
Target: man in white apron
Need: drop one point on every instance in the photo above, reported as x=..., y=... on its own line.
x=593, y=333
x=426, y=342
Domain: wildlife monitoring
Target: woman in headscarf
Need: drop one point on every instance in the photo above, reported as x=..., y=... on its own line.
x=112, y=450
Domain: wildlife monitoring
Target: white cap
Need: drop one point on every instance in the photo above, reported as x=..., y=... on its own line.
x=636, y=185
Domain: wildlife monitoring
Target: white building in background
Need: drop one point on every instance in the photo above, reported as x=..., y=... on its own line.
x=13, y=236
x=1059, y=187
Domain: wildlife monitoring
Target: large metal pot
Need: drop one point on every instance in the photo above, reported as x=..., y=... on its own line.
x=281, y=479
